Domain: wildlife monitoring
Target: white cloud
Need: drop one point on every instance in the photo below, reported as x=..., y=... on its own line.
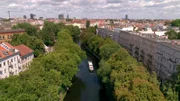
x=93, y=8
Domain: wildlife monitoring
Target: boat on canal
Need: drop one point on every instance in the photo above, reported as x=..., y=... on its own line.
x=91, y=68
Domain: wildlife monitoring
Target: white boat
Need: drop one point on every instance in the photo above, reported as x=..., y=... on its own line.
x=91, y=68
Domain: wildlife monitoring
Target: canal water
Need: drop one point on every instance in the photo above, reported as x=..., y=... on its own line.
x=87, y=86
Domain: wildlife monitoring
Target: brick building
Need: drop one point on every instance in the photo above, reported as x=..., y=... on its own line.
x=6, y=35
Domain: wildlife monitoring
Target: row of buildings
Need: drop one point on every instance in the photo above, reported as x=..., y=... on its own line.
x=156, y=53
x=14, y=59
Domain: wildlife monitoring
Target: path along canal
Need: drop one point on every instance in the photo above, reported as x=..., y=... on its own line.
x=87, y=86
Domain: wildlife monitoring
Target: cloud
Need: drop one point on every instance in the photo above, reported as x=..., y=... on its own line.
x=167, y=9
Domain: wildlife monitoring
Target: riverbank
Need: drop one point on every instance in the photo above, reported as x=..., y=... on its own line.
x=87, y=86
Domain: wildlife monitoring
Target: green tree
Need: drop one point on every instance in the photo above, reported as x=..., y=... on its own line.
x=49, y=33
x=172, y=34
x=176, y=23
x=31, y=41
x=52, y=73
x=124, y=78
x=74, y=30
x=87, y=23
x=31, y=30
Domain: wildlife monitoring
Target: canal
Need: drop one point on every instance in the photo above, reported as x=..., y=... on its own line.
x=87, y=86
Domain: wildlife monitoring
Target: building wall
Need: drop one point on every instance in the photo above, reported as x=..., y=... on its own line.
x=26, y=61
x=156, y=55
x=8, y=36
x=10, y=66
x=167, y=59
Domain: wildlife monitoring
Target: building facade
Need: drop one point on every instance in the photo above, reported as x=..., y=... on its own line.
x=9, y=60
x=6, y=35
x=158, y=55
x=14, y=60
x=26, y=55
x=167, y=59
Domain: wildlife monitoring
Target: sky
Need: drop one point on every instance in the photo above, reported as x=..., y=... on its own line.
x=135, y=9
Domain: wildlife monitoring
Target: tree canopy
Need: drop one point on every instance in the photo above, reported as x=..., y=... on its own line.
x=87, y=23
x=31, y=41
x=176, y=23
x=124, y=78
x=172, y=34
x=49, y=76
x=31, y=30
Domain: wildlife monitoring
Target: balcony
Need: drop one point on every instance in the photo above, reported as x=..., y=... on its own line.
x=150, y=56
x=11, y=73
x=19, y=61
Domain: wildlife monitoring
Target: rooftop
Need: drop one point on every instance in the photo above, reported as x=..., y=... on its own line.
x=12, y=30
x=24, y=50
x=6, y=50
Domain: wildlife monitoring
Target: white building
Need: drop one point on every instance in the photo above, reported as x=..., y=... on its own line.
x=128, y=29
x=26, y=56
x=9, y=60
x=13, y=60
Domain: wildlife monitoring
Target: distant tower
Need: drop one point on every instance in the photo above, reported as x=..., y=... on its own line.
x=126, y=17
x=9, y=14
x=32, y=16
x=61, y=16
x=24, y=17
x=67, y=16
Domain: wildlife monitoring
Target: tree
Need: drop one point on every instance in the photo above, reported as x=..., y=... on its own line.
x=124, y=78
x=87, y=24
x=31, y=30
x=176, y=23
x=49, y=33
x=74, y=30
x=172, y=34
x=52, y=73
x=31, y=41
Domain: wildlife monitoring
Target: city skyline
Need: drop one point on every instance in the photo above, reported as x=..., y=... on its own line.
x=135, y=9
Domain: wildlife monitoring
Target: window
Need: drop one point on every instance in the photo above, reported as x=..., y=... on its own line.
x=0, y=65
x=4, y=63
x=1, y=73
x=4, y=70
x=11, y=60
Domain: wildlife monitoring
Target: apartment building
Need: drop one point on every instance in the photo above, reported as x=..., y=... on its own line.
x=9, y=60
x=26, y=55
x=156, y=54
x=13, y=60
x=167, y=59
x=6, y=35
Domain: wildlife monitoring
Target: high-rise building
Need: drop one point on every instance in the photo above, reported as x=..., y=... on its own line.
x=24, y=17
x=67, y=16
x=61, y=16
x=126, y=17
x=41, y=18
x=32, y=16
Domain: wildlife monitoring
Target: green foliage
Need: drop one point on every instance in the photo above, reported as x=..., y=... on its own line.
x=176, y=23
x=172, y=34
x=31, y=30
x=49, y=33
x=87, y=24
x=74, y=30
x=124, y=78
x=91, y=30
x=31, y=41
x=48, y=77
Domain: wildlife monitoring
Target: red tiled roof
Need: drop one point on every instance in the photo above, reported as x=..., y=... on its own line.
x=2, y=49
x=24, y=50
